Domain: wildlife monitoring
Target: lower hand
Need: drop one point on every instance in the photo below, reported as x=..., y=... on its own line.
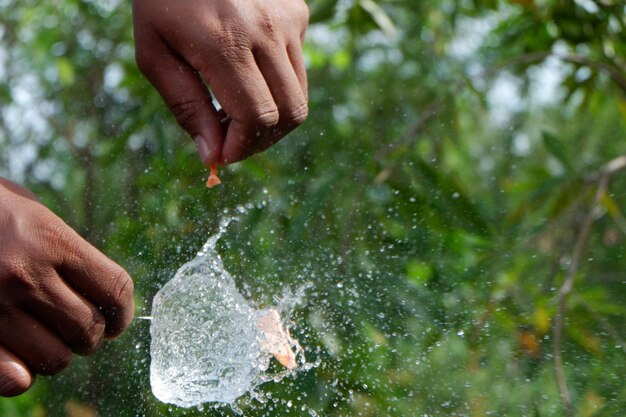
x=58, y=294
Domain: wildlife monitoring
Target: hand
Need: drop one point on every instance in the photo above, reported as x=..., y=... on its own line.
x=249, y=52
x=58, y=294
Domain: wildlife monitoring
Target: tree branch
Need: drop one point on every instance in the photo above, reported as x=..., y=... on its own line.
x=613, y=71
x=411, y=134
x=607, y=172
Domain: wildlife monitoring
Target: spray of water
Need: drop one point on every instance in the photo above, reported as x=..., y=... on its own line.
x=209, y=343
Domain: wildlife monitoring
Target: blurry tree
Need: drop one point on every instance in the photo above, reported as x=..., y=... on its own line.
x=450, y=206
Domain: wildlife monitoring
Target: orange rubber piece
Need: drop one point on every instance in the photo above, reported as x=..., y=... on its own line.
x=213, y=178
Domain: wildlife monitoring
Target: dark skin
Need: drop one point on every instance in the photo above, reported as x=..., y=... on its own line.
x=59, y=295
x=249, y=52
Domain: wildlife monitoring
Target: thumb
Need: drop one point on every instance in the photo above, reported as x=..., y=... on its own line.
x=15, y=378
x=184, y=93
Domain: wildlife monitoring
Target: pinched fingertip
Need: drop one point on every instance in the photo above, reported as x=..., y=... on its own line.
x=203, y=150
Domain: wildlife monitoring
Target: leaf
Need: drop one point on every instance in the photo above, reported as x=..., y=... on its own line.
x=585, y=339
x=556, y=149
x=530, y=4
x=591, y=404
x=322, y=10
x=419, y=272
x=621, y=105
x=449, y=200
x=5, y=93
x=381, y=18
x=542, y=320
x=65, y=69
x=76, y=409
x=612, y=207
x=567, y=194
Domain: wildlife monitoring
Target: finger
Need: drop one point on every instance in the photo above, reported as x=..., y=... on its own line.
x=287, y=90
x=184, y=93
x=18, y=189
x=99, y=280
x=15, y=378
x=297, y=62
x=296, y=44
x=245, y=96
x=37, y=346
x=75, y=320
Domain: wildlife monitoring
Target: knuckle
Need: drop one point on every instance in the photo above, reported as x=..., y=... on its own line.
x=62, y=241
x=185, y=112
x=268, y=26
x=121, y=293
x=56, y=361
x=127, y=291
x=122, y=290
x=19, y=280
x=296, y=116
x=90, y=336
x=233, y=44
x=233, y=55
x=233, y=35
x=265, y=116
x=13, y=269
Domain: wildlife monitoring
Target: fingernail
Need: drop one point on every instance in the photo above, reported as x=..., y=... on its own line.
x=203, y=149
x=14, y=382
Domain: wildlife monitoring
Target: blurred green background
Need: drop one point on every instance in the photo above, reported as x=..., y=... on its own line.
x=432, y=203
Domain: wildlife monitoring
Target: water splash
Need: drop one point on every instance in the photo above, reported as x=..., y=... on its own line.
x=209, y=343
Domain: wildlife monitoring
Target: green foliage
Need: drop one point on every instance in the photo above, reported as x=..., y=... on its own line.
x=431, y=220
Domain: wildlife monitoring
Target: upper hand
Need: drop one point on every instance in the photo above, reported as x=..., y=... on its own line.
x=249, y=52
x=58, y=294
